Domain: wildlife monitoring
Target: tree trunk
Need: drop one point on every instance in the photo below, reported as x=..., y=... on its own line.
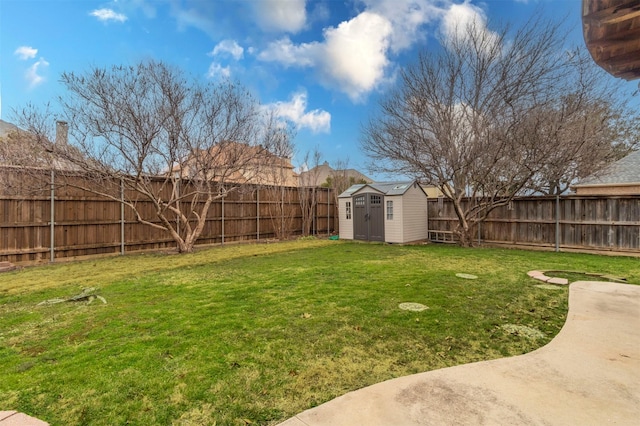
x=183, y=247
x=465, y=236
x=463, y=230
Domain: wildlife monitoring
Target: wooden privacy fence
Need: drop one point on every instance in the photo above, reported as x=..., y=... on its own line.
x=64, y=222
x=606, y=223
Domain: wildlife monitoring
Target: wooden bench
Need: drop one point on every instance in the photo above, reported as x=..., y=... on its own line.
x=441, y=236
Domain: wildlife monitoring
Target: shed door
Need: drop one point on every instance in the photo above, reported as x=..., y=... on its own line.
x=376, y=218
x=368, y=217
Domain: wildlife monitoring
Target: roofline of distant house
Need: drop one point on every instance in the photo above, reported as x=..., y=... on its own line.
x=587, y=185
x=41, y=168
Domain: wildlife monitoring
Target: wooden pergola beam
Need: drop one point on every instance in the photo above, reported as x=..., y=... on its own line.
x=612, y=35
x=615, y=14
x=624, y=39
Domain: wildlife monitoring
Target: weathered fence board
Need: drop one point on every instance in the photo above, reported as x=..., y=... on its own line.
x=607, y=223
x=87, y=224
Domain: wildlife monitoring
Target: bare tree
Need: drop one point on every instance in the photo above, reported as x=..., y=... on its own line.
x=28, y=149
x=276, y=176
x=341, y=178
x=22, y=159
x=589, y=125
x=167, y=139
x=308, y=188
x=28, y=154
x=460, y=118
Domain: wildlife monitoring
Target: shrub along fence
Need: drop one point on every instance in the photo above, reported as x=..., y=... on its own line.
x=605, y=223
x=57, y=222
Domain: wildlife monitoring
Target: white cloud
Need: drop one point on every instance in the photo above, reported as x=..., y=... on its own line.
x=228, y=46
x=317, y=121
x=319, y=13
x=26, y=52
x=407, y=18
x=196, y=18
x=281, y=15
x=148, y=8
x=356, y=54
x=32, y=74
x=352, y=58
x=216, y=70
x=288, y=54
x=108, y=15
x=459, y=16
x=462, y=18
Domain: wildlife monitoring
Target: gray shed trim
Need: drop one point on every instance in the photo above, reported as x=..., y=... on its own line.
x=386, y=188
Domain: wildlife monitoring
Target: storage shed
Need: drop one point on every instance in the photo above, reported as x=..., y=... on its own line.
x=393, y=212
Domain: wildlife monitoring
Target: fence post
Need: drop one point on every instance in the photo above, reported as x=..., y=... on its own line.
x=178, y=181
x=52, y=254
x=257, y=214
x=328, y=211
x=557, y=223
x=314, y=213
x=281, y=211
x=122, y=249
x=222, y=225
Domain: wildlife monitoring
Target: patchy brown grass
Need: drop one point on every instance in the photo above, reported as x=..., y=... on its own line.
x=253, y=334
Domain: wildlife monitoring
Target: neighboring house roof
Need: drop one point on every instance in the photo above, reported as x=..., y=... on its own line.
x=386, y=188
x=240, y=163
x=319, y=174
x=625, y=171
x=6, y=128
x=20, y=148
x=432, y=191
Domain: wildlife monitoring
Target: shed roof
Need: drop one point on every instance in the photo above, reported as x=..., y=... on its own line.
x=386, y=188
x=622, y=172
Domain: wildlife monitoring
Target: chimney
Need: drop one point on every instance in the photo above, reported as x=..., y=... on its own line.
x=62, y=133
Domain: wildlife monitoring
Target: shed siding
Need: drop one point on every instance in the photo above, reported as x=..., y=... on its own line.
x=409, y=221
x=393, y=229
x=415, y=224
x=345, y=225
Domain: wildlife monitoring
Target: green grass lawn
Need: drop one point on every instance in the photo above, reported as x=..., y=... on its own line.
x=253, y=334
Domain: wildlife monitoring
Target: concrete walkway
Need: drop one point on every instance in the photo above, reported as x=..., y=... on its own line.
x=588, y=375
x=13, y=418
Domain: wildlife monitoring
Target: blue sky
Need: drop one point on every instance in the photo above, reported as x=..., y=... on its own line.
x=324, y=64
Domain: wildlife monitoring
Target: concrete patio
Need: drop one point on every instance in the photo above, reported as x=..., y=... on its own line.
x=13, y=418
x=588, y=375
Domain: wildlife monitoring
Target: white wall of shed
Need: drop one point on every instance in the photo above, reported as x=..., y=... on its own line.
x=345, y=226
x=393, y=229
x=409, y=221
x=414, y=216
